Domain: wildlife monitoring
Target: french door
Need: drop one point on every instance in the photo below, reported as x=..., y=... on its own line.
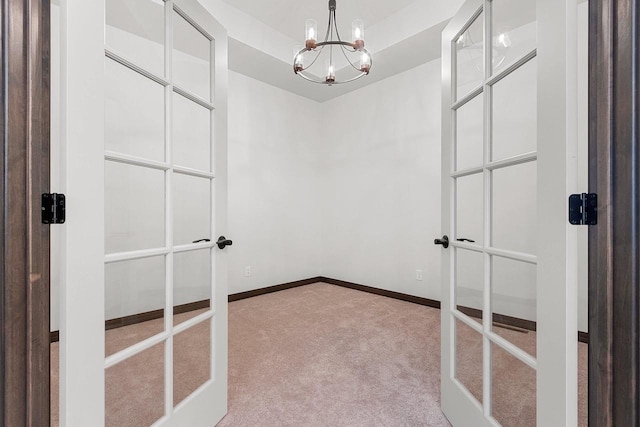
x=508, y=150
x=144, y=161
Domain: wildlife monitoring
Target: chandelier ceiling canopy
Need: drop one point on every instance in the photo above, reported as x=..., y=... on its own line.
x=354, y=52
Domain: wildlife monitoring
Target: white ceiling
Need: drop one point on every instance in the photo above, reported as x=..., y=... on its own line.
x=400, y=34
x=289, y=16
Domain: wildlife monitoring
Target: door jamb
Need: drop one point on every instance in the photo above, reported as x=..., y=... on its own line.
x=24, y=240
x=614, y=244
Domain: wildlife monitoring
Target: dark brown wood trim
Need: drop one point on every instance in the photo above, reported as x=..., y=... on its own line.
x=500, y=319
x=614, y=174
x=383, y=292
x=514, y=322
x=134, y=319
x=192, y=306
x=24, y=241
x=270, y=289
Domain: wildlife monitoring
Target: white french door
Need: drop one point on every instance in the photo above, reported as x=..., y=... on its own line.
x=508, y=150
x=144, y=161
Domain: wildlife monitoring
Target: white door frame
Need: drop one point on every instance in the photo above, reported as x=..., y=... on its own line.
x=556, y=361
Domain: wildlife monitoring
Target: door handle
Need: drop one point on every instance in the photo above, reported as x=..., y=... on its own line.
x=223, y=242
x=444, y=242
x=201, y=240
x=466, y=240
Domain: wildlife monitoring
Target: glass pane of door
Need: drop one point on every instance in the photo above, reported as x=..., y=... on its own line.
x=192, y=53
x=135, y=31
x=469, y=49
x=513, y=31
x=469, y=135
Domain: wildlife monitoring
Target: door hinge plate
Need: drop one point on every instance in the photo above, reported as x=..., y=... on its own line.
x=583, y=209
x=53, y=208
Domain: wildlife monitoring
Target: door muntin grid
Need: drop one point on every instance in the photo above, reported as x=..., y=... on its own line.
x=203, y=172
x=483, y=245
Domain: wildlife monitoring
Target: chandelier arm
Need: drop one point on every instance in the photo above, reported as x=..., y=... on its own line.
x=332, y=16
x=344, y=52
x=326, y=36
x=312, y=80
x=335, y=23
x=314, y=59
x=324, y=82
x=359, y=76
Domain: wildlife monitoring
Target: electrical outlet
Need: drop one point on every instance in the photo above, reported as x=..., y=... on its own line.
x=418, y=274
x=247, y=271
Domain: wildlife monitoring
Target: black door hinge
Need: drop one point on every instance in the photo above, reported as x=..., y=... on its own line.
x=53, y=208
x=583, y=209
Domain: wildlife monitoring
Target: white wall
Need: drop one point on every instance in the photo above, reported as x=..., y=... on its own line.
x=274, y=182
x=381, y=165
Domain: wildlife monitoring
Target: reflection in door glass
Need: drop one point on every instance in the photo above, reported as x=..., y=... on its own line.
x=470, y=134
x=514, y=32
x=191, y=284
x=515, y=113
x=134, y=113
x=469, y=209
x=135, y=30
x=469, y=294
x=134, y=389
x=191, y=134
x=191, y=58
x=470, y=58
x=514, y=295
x=134, y=302
x=134, y=208
x=191, y=360
x=513, y=390
x=515, y=208
x=469, y=358
x=192, y=209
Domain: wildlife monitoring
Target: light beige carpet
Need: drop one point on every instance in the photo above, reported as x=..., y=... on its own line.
x=322, y=355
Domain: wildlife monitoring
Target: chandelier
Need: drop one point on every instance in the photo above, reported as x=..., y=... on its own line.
x=354, y=52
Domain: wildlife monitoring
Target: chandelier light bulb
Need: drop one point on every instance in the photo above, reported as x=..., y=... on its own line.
x=357, y=33
x=298, y=58
x=311, y=33
x=331, y=74
x=365, y=63
x=504, y=40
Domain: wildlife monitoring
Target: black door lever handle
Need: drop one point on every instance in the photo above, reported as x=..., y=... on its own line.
x=444, y=242
x=223, y=242
x=466, y=240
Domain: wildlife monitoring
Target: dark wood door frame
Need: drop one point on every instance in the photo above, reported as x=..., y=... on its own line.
x=24, y=241
x=614, y=173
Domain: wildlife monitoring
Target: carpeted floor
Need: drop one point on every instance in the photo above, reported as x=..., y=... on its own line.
x=322, y=355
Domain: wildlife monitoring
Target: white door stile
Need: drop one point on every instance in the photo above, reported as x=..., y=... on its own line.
x=82, y=237
x=557, y=254
x=168, y=188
